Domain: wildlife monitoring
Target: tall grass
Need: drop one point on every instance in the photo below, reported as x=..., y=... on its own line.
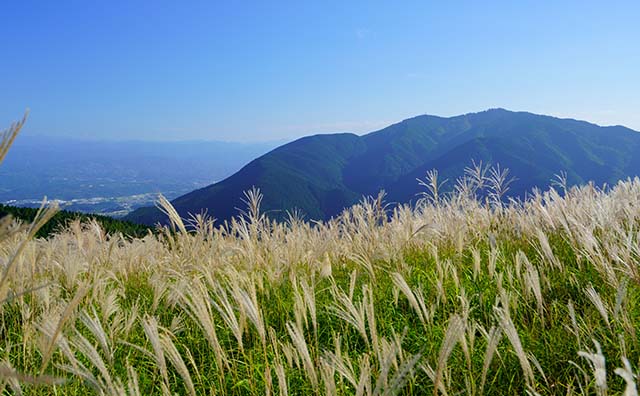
x=455, y=296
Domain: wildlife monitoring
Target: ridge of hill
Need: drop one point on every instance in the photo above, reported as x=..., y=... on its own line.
x=323, y=174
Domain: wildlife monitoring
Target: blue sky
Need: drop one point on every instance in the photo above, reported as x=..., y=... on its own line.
x=242, y=71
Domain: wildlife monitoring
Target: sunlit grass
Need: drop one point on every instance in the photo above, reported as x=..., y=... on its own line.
x=459, y=295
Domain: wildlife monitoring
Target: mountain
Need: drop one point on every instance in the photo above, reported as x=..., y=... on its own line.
x=63, y=219
x=323, y=174
x=113, y=177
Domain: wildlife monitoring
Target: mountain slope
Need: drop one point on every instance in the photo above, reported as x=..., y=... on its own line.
x=64, y=218
x=323, y=174
x=306, y=174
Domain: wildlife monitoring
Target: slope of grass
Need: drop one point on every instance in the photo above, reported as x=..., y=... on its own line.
x=453, y=296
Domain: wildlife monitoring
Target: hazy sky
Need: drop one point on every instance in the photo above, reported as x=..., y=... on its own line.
x=237, y=70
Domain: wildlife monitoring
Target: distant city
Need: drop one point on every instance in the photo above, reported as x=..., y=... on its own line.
x=114, y=178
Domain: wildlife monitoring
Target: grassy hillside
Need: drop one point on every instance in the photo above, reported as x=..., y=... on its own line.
x=63, y=219
x=453, y=296
x=321, y=175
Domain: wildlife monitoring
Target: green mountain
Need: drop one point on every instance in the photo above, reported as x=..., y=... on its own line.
x=63, y=218
x=321, y=175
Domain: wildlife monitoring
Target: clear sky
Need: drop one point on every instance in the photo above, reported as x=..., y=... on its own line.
x=236, y=70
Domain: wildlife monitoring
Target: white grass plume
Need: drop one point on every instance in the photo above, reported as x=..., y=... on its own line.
x=176, y=221
x=455, y=330
x=629, y=377
x=297, y=337
x=598, y=364
x=8, y=136
x=511, y=332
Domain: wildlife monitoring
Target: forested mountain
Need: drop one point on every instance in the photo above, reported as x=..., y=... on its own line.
x=63, y=219
x=321, y=175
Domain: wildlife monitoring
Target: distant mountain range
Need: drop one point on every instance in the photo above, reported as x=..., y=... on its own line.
x=322, y=174
x=114, y=177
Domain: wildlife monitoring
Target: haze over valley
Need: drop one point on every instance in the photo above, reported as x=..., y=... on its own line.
x=115, y=177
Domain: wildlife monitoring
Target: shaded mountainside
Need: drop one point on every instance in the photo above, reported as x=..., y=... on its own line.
x=323, y=174
x=64, y=218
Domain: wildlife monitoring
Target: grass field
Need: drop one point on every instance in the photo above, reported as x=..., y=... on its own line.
x=458, y=295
